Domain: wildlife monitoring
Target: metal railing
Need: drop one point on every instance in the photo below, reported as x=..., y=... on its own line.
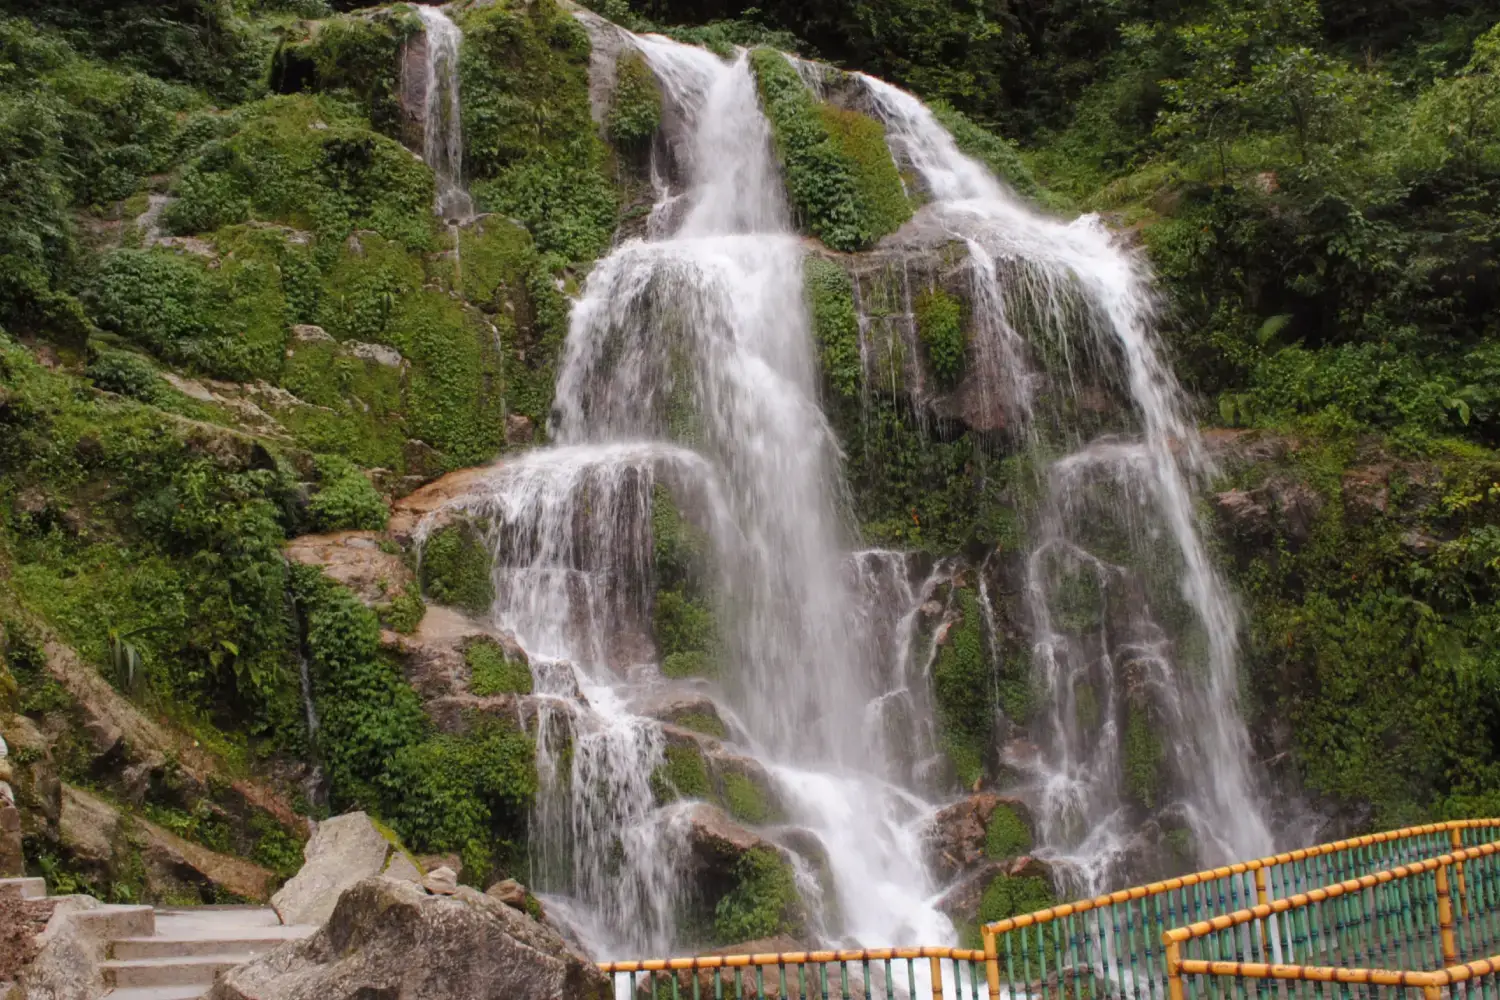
x=1432, y=925
x=954, y=973
x=1113, y=944
x=1110, y=946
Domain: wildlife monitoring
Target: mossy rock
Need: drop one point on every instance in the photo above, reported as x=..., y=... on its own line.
x=683, y=774
x=635, y=114
x=355, y=54
x=830, y=299
x=493, y=671
x=1006, y=833
x=681, y=666
x=942, y=331
x=961, y=678
x=1145, y=759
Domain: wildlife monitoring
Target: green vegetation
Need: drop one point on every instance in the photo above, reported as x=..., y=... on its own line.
x=404, y=613
x=358, y=57
x=345, y=500
x=636, y=113
x=531, y=144
x=702, y=722
x=745, y=799
x=493, y=671
x=1006, y=834
x=940, y=325
x=763, y=902
x=693, y=664
x=838, y=172
x=683, y=626
x=1144, y=757
x=456, y=569
x=830, y=298
x=682, y=775
x=961, y=681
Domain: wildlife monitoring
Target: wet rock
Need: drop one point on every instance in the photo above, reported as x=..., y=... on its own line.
x=1244, y=515
x=715, y=840
x=388, y=939
x=435, y=499
x=356, y=560
x=961, y=901
x=519, y=430
x=684, y=708
x=441, y=881
x=510, y=892
x=342, y=851
x=954, y=840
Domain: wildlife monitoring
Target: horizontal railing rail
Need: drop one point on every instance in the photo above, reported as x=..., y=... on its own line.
x=1430, y=925
x=954, y=973
x=1113, y=943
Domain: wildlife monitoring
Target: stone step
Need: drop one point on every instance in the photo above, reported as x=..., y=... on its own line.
x=193, y=970
x=25, y=888
x=192, y=992
x=174, y=941
x=220, y=918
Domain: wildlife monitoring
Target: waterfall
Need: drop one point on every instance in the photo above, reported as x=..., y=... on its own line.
x=442, y=127
x=689, y=366
x=1117, y=552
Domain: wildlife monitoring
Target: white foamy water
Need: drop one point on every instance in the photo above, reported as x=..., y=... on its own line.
x=1075, y=285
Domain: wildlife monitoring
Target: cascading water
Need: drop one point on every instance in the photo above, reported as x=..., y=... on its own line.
x=1117, y=548
x=689, y=366
x=442, y=128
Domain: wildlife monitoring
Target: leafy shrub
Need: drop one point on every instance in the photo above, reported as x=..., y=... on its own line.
x=682, y=625
x=763, y=902
x=492, y=671
x=636, y=113
x=692, y=664
x=877, y=185
x=404, y=613
x=456, y=569
x=830, y=295
x=346, y=500
x=125, y=373
x=961, y=682
x=940, y=326
x=357, y=54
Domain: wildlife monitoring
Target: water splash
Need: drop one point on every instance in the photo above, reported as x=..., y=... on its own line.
x=1071, y=288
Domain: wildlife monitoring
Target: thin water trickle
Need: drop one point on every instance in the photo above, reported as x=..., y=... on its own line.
x=442, y=126
x=1117, y=541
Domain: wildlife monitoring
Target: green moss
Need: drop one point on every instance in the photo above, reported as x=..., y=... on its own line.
x=763, y=902
x=702, y=722
x=961, y=682
x=694, y=664
x=1009, y=896
x=879, y=192
x=940, y=327
x=1006, y=834
x=492, y=671
x=830, y=299
x=682, y=775
x=1144, y=758
x=456, y=569
x=636, y=113
x=531, y=143
x=355, y=407
x=346, y=500
x=683, y=625
x=745, y=799
x=678, y=547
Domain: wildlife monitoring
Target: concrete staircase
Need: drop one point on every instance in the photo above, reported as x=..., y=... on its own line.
x=173, y=954
x=190, y=947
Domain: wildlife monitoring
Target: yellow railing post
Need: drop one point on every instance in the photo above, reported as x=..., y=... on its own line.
x=1262, y=896
x=936, y=965
x=1174, y=970
x=1445, y=916
x=991, y=963
x=1456, y=838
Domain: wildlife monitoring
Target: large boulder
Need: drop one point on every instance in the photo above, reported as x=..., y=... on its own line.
x=983, y=827
x=389, y=939
x=343, y=850
x=68, y=962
